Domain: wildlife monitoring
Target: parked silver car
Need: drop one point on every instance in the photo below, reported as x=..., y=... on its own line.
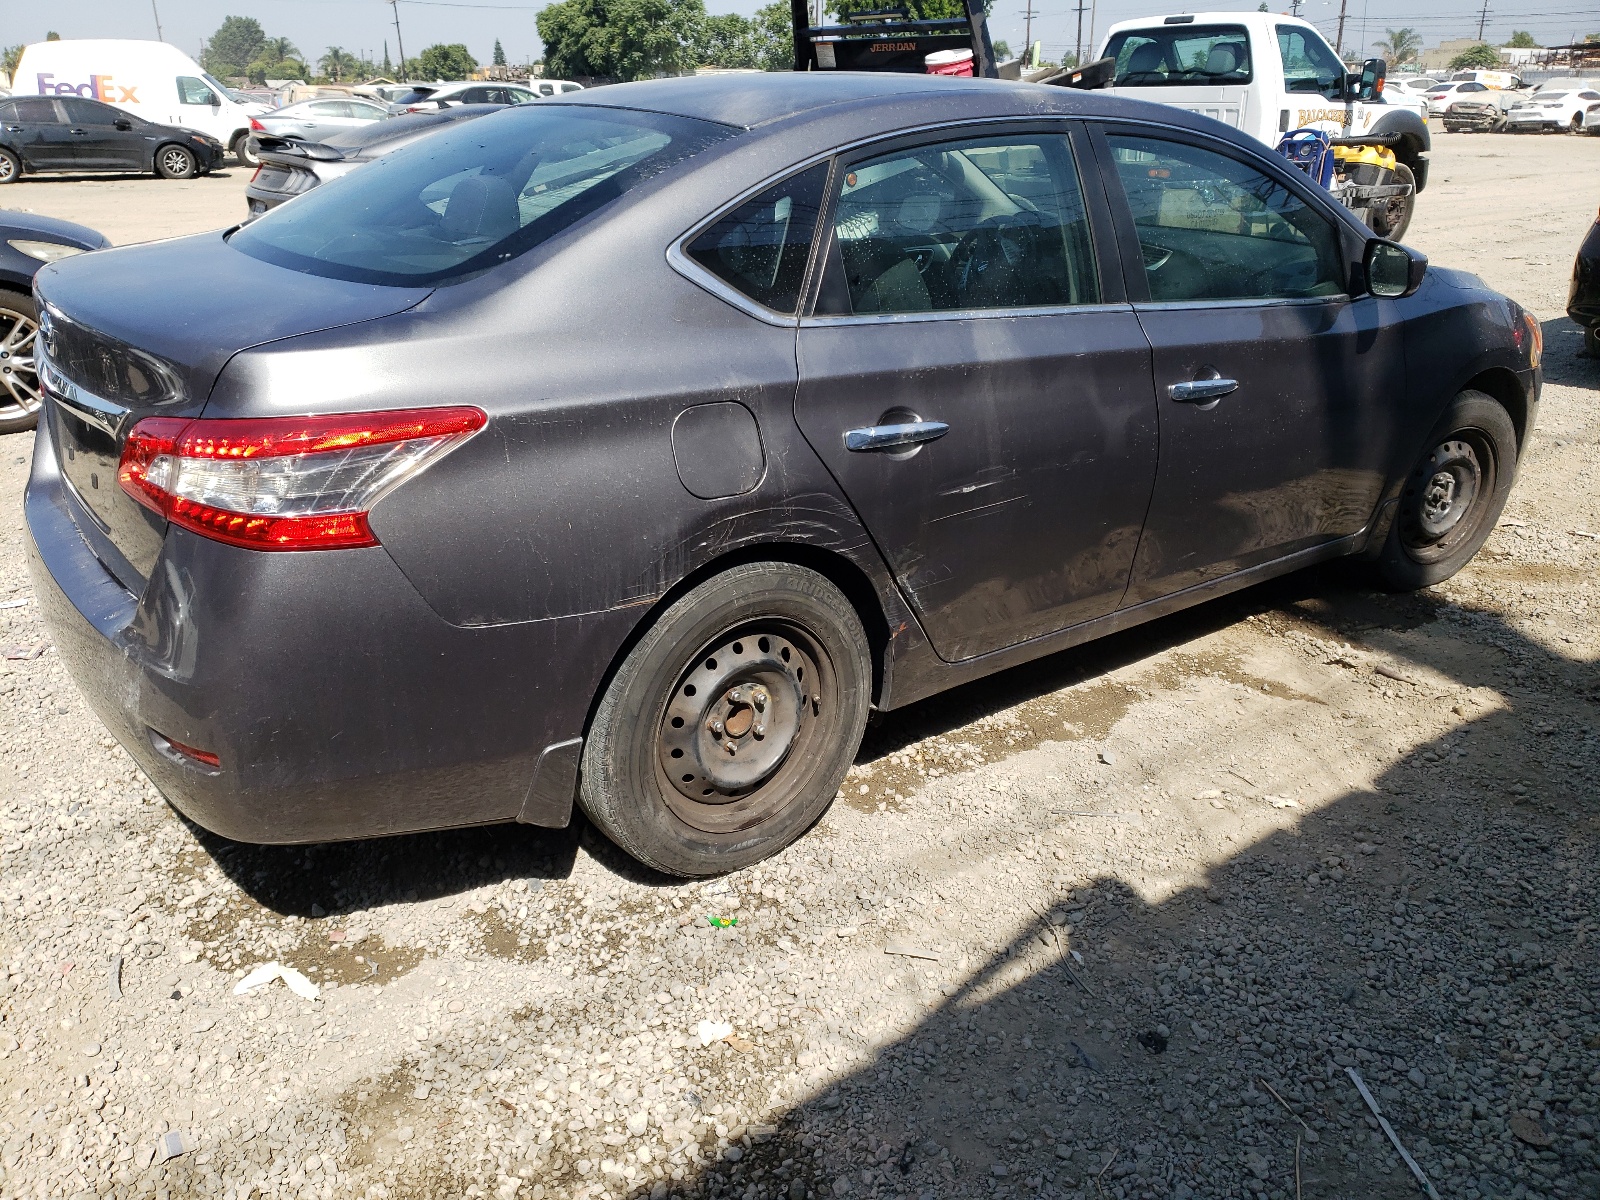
x=318, y=120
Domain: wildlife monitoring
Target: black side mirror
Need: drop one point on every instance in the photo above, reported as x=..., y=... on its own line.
x=1392, y=270
x=123, y=124
x=216, y=100
x=1371, y=81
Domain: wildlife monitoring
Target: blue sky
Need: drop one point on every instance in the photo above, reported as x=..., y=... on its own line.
x=362, y=25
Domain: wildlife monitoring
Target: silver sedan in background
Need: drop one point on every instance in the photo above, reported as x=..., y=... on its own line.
x=317, y=120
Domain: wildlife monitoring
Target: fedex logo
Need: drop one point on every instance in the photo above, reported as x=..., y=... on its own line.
x=99, y=87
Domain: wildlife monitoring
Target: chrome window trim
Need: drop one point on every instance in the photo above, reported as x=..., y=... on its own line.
x=962, y=314
x=1238, y=302
x=677, y=253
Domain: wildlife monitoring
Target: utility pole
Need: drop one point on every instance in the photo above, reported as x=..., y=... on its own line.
x=1338, y=42
x=1027, y=30
x=1078, y=53
x=157, y=12
x=1294, y=7
x=395, y=5
x=1093, y=8
x=1483, y=18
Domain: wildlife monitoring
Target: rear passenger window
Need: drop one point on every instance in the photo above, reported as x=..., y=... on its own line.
x=761, y=247
x=974, y=224
x=36, y=112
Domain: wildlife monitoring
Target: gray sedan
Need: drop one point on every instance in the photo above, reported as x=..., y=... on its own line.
x=626, y=449
x=317, y=120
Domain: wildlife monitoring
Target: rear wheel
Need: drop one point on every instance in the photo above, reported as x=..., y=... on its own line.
x=19, y=380
x=1453, y=496
x=1391, y=218
x=176, y=162
x=728, y=729
x=245, y=151
x=10, y=167
x=1576, y=124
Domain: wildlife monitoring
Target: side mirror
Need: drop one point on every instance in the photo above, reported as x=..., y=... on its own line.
x=123, y=124
x=216, y=100
x=1372, y=74
x=1392, y=270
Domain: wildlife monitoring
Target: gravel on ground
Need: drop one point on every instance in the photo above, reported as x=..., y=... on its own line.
x=1127, y=922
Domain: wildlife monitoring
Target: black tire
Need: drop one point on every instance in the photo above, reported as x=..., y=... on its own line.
x=1591, y=341
x=244, y=150
x=1392, y=218
x=10, y=167
x=19, y=382
x=1453, y=496
x=176, y=162
x=759, y=646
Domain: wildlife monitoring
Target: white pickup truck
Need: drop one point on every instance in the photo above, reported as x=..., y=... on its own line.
x=1268, y=75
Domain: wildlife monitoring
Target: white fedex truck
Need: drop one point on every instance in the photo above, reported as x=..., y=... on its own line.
x=149, y=79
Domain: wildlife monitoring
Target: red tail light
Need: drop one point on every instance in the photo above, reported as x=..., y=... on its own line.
x=285, y=483
x=256, y=126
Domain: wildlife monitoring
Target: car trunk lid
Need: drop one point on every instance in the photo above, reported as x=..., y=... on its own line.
x=145, y=331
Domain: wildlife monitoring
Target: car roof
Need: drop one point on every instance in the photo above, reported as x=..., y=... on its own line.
x=748, y=101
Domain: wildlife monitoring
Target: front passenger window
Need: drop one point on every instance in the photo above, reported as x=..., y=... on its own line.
x=984, y=223
x=1212, y=228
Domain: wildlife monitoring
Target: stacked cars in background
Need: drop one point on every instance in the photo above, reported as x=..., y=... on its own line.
x=1551, y=111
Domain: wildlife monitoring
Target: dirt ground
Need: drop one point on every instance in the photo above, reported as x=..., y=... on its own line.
x=1127, y=922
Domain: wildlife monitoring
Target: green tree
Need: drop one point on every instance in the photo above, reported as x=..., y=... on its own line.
x=52, y=36
x=1402, y=45
x=499, y=54
x=388, y=67
x=280, y=49
x=1002, y=51
x=621, y=39
x=775, y=31
x=337, y=63
x=1479, y=58
x=1521, y=39
x=10, y=58
x=919, y=10
x=442, y=61
x=236, y=44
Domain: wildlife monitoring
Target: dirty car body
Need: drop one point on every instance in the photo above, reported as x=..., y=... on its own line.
x=921, y=337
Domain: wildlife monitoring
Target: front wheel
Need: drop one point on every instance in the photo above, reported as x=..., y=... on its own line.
x=1453, y=496
x=176, y=162
x=728, y=729
x=19, y=380
x=1392, y=217
x=10, y=167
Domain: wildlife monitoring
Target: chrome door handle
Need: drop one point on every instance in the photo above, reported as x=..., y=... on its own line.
x=1202, y=391
x=892, y=437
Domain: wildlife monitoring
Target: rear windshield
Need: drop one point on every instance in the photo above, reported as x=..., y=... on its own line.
x=473, y=195
x=1180, y=56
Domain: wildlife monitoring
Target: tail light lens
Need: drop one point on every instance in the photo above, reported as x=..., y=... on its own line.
x=285, y=483
x=256, y=126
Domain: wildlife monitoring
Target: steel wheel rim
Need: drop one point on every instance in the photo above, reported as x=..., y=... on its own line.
x=176, y=161
x=717, y=791
x=8, y=168
x=19, y=378
x=1447, y=495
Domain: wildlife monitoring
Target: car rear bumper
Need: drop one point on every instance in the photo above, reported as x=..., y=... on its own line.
x=339, y=704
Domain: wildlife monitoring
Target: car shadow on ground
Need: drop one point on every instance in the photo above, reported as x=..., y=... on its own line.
x=1435, y=932
x=1564, y=360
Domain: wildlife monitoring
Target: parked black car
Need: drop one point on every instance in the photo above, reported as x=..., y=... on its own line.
x=28, y=242
x=853, y=392
x=70, y=133
x=1583, y=296
x=290, y=166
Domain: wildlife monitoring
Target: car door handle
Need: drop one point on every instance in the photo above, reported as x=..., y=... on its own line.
x=892, y=437
x=79, y=132
x=1202, y=391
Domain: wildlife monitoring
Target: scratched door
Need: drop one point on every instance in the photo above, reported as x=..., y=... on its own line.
x=961, y=290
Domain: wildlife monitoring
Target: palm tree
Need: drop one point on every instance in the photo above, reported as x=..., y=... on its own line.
x=336, y=62
x=279, y=49
x=1402, y=45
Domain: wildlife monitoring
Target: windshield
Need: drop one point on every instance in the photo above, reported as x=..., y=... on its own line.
x=473, y=195
x=1180, y=56
x=1308, y=64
